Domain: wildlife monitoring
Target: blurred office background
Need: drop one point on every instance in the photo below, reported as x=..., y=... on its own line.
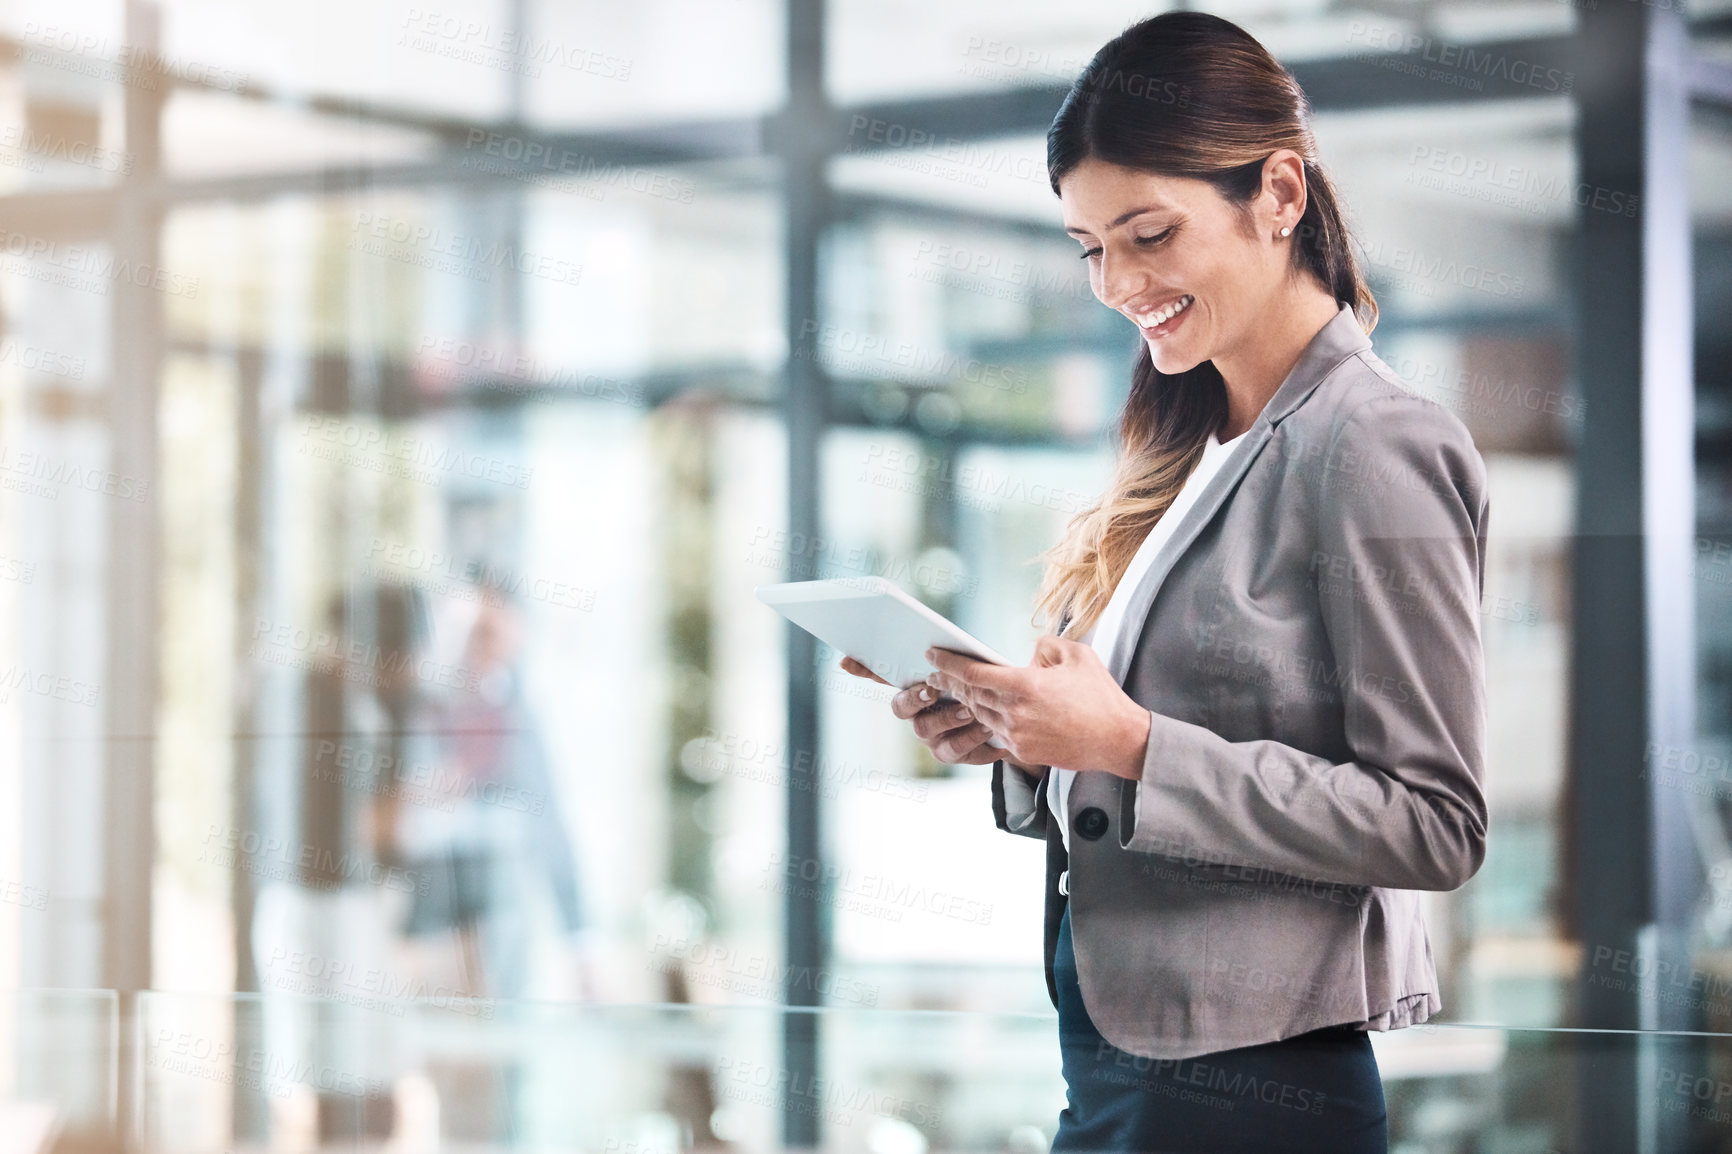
x=398, y=404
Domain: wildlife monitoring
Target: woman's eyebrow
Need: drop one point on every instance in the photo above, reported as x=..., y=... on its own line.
x=1073, y=229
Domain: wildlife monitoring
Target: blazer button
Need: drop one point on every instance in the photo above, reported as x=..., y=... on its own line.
x=1091, y=823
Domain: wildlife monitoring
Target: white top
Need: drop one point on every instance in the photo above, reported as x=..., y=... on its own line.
x=1106, y=632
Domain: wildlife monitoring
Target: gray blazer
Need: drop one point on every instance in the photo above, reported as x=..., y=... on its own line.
x=1307, y=644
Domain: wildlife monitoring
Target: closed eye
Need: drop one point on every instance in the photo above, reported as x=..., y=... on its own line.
x=1142, y=240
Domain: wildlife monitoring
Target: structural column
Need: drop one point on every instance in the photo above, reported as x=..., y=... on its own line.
x=132, y=566
x=802, y=146
x=1634, y=876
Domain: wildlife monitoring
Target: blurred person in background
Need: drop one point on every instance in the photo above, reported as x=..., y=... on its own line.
x=482, y=831
x=487, y=835
x=323, y=917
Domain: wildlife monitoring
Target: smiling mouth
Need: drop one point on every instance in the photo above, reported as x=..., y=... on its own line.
x=1158, y=317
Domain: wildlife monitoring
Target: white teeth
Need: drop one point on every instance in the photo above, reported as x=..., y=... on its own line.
x=1162, y=316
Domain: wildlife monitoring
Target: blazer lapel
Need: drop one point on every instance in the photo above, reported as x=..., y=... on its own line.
x=1334, y=343
x=1213, y=496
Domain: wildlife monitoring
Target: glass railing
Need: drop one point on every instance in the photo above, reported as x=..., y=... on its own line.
x=86, y=1072
x=59, y=1069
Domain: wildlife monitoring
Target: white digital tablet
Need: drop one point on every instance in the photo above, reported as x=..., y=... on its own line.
x=873, y=621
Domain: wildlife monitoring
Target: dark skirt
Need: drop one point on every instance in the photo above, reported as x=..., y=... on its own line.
x=1314, y=1092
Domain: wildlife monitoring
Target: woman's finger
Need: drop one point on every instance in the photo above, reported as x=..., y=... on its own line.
x=859, y=670
x=975, y=692
x=983, y=754
x=961, y=746
x=937, y=720
x=914, y=700
x=991, y=712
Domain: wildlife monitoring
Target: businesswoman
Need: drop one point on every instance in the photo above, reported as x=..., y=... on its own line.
x=1258, y=728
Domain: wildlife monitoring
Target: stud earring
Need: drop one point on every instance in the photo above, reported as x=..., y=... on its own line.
x=1285, y=231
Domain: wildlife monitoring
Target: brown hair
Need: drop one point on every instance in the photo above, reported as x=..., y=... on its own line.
x=1182, y=94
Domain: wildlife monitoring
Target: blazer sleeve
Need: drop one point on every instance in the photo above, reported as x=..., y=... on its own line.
x=1399, y=568
x=1019, y=799
x=1018, y=796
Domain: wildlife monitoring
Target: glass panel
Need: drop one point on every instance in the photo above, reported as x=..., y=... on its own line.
x=250, y=1073
x=60, y=1069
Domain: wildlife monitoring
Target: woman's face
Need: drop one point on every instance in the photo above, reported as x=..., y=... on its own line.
x=1155, y=244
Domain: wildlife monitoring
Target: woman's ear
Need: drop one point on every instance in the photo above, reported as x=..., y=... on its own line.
x=1284, y=185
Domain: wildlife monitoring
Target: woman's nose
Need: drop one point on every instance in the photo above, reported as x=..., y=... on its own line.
x=1118, y=283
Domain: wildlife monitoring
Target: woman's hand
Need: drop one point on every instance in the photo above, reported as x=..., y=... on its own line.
x=942, y=724
x=1062, y=708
